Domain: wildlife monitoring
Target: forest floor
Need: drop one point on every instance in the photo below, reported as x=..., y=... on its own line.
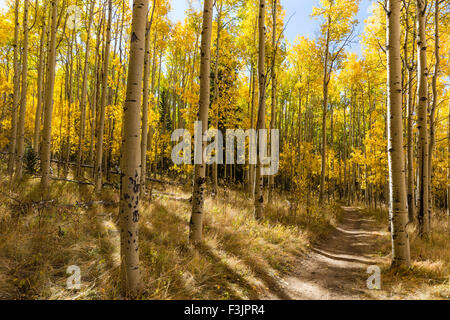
x=319, y=252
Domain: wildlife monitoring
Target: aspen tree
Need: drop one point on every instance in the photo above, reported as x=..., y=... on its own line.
x=434, y=102
x=216, y=89
x=16, y=93
x=40, y=81
x=397, y=188
x=252, y=167
x=131, y=155
x=448, y=161
x=101, y=122
x=144, y=136
x=326, y=81
x=196, y=222
x=48, y=103
x=274, y=84
x=84, y=88
x=422, y=123
x=95, y=93
x=410, y=114
x=261, y=124
x=23, y=99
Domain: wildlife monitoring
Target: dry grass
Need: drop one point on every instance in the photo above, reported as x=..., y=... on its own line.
x=240, y=258
x=429, y=276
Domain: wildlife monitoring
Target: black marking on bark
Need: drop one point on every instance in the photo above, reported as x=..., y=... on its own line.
x=134, y=37
x=136, y=216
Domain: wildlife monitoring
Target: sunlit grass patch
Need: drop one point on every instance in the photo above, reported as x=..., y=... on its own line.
x=429, y=275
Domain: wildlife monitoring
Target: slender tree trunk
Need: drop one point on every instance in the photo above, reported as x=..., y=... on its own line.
x=101, y=122
x=422, y=123
x=251, y=172
x=433, y=105
x=16, y=93
x=40, y=83
x=274, y=87
x=216, y=91
x=48, y=103
x=95, y=96
x=144, y=136
x=299, y=120
x=261, y=124
x=252, y=167
x=131, y=155
x=410, y=132
x=23, y=100
x=397, y=189
x=69, y=97
x=196, y=223
x=84, y=90
x=448, y=161
x=326, y=79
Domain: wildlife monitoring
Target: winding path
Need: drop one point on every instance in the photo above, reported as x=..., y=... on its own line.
x=336, y=267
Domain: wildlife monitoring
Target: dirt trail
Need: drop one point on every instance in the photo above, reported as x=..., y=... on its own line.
x=336, y=268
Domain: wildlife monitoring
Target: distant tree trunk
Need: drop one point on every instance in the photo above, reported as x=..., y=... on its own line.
x=101, y=122
x=261, y=124
x=40, y=82
x=131, y=155
x=434, y=103
x=196, y=223
x=251, y=169
x=144, y=136
x=410, y=132
x=397, y=191
x=23, y=100
x=422, y=123
x=69, y=97
x=216, y=91
x=84, y=90
x=274, y=87
x=95, y=95
x=448, y=161
x=326, y=80
x=16, y=93
x=48, y=103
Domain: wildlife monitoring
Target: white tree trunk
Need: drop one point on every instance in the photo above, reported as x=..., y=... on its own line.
x=434, y=104
x=422, y=123
x=48, y=103
x=131, y=155
x=16, y=93
x=101, y=123
x=196, y=223
x=398, y=210
x=84, y=90
x=274, y=87
x=261, y=124
x=23, y=99
x=40, y=82
x=144, y=134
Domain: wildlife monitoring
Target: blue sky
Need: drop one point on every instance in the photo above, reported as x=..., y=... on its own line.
x=301, y=23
